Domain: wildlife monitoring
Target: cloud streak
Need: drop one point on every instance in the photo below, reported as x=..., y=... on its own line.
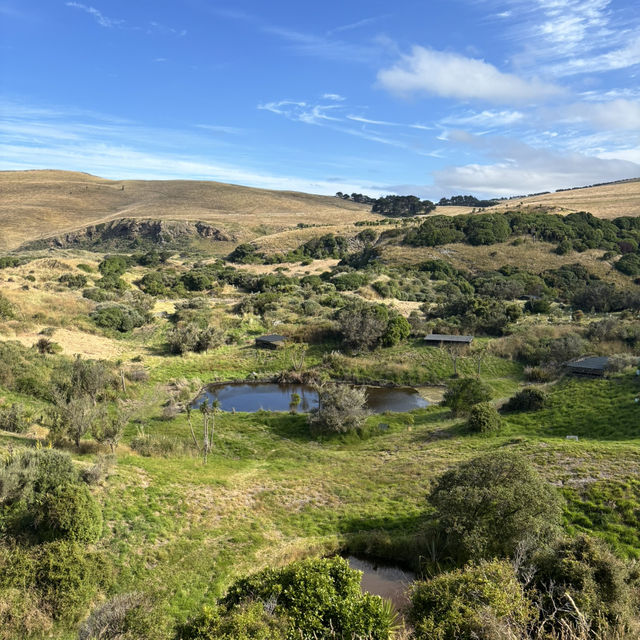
x=98, y=16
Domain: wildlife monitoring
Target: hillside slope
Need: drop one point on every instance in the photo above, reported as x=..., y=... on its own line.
x=606, y=201
x=38, y=204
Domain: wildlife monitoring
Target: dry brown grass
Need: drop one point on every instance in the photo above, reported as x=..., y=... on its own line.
x=39, y=204
x=607, y=201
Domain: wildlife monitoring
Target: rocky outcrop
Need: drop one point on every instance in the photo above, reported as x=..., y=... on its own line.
x=133, y=233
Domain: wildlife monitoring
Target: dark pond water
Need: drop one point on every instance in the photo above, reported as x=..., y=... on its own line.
x=388, y=582
x=271, y=396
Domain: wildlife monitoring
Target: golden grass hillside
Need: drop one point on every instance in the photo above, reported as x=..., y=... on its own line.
x=39, y=204
x=606, y=201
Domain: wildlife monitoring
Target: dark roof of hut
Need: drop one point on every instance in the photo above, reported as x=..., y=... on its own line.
x=599, y=363
x=271, y=338
x=443, y=337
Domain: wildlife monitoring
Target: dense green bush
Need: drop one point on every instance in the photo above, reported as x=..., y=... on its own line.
x=69, y=512
x=398, y=329
x=114, y=265
x=529, y=399
x=119, y=317
x=73, y=280
x=582, y=573
x=629, y=264
x=484, y=418
x=66, y=578
x=362, y=325
x=540, y=305
x=320, y=598
x=488, y=505
x=98, y=295
x=462, y=394
x=480, y=602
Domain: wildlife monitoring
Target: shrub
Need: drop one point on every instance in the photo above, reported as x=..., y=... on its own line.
x=537, y=306
x=65, y=578
x=7, y=310
x=119, y=317
x=248, y=621
x=583, y=569
x=321, y=598
x=397, y=331
x=486, y=506
x=97, y=295
x=115, y=619
x=462, y=394
x=470, y=604
x=341, y=409
x=629, y=264
x=14, y=418
x=362, y=325
x=69, y=512
x=73, y=281
x=529, y=399
x=484, y=418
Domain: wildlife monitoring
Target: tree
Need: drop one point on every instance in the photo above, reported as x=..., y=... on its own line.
x=89, y=377
x=463, y=393
x=72, y=416
x=109, y=429
x=362, y=325
x=341, y=409
x=208, y=413
x=488, y=505
x=397, y=331
x=455, y=351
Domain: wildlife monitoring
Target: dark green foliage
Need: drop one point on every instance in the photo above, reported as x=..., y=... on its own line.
x=10, y=261
x=529, y=399
x=435, y=231
x=87, y=268
x=545, y=350
x=118, y=317
x=629, y=264
x=398, y=330
x=480, y=602
x=484, y=419
x=69, y=512
x=90, y=377
x=193, y=337
x=487, y=229
x=584, y=571
x=73, y=280
x=115, y=265
x=465, y=201
x=537, y=306
x=112, y=282
x=477, y=315
x=488, y=505
x=244, y=254
x=462, y=394
x=402, y=206
x=318, y=596
x=349, y=281
x=341, y=409
x=327, y=246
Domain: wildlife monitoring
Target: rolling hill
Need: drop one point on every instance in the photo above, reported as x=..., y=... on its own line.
x=40, y=204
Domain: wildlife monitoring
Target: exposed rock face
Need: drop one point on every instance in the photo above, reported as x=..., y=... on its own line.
x=133, y=232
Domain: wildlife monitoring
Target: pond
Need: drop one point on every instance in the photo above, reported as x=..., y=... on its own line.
x=272, y=396
x=387, y=581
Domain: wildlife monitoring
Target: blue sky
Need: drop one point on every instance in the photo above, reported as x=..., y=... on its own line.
x=432, y=97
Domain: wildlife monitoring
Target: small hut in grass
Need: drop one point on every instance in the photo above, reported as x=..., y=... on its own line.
x=593, y=366
x=439, y=339
x=271, y=342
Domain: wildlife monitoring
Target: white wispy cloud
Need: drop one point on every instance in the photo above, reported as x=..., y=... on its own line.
x=334, y=96
x=451, y=75
x=222, y=129
x=521, y=168
x=72, y=139
x=97, y=15
x=485, y=118
x=615, y=114
x=384, y=123
x=356, y=25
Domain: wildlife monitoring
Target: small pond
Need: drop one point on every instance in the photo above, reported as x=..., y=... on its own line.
x=271, y=396
x=386, y=581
